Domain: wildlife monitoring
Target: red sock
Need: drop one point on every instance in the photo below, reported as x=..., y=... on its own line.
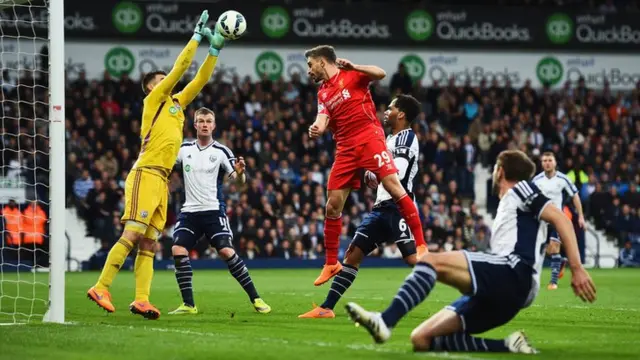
x=410, y=214
x=332, y=230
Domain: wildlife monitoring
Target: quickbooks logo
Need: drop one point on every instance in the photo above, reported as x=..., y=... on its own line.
x=559, y=28
x=275, y=22
x=118, y=61
x=549, y=71
x=127, y=17
x=415, y=66
x=271, y=64
x=419, y=25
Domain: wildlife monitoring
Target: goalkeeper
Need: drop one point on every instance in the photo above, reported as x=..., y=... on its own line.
x=146, y=187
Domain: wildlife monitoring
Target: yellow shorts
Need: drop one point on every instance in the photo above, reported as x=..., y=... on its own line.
x=146, y=194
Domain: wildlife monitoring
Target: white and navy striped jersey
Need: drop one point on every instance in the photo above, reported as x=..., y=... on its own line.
x=204, y=169
x=517, y=228
x=405, y=151
x=554, y=187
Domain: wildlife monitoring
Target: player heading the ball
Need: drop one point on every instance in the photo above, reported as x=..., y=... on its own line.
x=384, y=223
x=146, y=194
x=346, y=108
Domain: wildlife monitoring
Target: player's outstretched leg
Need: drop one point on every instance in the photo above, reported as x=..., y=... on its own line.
x=452, y=268
x=99, y=293
x=184, y=277
x=407, y=209
x=332, y=230
x=239, y=271
x=444, y=331
x=341, y=283
x=556, y=263
x=143, y=269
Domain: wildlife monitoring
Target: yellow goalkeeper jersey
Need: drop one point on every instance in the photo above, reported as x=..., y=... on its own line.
x=163, y=113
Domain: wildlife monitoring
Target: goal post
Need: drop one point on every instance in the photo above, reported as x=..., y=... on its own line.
x=57, y=158
x=32, y=162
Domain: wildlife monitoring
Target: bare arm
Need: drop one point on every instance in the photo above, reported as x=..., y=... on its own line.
x=563, y=225
x=581, y=282
x=319, y=126
x=578, y=205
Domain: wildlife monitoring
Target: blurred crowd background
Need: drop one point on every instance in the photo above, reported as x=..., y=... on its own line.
x=279, y=213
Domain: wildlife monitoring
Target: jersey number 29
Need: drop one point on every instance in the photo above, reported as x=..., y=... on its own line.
x=382, y=158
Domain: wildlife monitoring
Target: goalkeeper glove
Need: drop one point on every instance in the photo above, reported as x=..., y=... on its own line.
x=215, y=39
x=198, y=32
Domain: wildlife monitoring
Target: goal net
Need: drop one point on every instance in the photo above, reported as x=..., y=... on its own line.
x=32, y=165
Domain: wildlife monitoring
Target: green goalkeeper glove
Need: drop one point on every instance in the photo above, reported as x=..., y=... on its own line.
x=198, y=32
x=215, y=39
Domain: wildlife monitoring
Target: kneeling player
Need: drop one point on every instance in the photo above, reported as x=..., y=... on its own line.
x=495, y=286
x=204, y=164
x=385, y=222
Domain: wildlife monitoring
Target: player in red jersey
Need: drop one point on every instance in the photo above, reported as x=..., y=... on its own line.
x=346, y=108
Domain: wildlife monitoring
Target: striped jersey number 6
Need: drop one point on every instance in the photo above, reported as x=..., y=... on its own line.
x=382, y=158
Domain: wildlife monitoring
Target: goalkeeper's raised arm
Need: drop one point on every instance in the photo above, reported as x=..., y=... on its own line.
x=216, y=41
x=164, y=87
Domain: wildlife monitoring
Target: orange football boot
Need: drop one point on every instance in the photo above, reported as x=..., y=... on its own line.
x=318, y=313
x=328, y=271
x=145, y=309
x=102, y=298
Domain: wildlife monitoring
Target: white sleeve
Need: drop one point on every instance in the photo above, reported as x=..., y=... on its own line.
x=228, y=161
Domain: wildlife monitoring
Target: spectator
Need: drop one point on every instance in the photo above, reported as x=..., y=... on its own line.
x=628, y=257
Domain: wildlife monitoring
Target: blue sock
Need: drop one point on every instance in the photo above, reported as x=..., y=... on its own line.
x=339, y=286
x=415, y=289
x=556, y=263
x=464, y=342
x=184, y=276
x=240, y=272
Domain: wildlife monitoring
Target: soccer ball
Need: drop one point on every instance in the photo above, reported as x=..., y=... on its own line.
x=231, y=25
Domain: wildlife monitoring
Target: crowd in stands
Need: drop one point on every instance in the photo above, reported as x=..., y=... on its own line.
x=279, y=213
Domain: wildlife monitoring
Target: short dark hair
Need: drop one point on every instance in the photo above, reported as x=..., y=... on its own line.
x=409, y=105
x=148, y=77
x=325, y=51
x=549, y=153
x=516, y=165
x=204, y=111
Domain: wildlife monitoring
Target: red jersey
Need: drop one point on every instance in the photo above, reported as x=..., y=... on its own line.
x=346, y=99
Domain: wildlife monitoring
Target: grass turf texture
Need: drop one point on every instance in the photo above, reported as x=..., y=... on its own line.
x=558, y=324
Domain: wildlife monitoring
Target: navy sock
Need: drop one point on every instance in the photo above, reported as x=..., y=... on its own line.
x=339, y=286
x=464, y=342
x=415, y=289
x=556, y=263
x=239, y=271
x=184, y=276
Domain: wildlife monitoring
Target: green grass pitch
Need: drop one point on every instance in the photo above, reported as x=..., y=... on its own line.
x=558, y=324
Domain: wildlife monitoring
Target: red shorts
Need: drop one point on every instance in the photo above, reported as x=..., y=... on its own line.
x=373, y=156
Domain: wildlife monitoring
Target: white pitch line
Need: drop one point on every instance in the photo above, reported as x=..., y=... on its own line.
x=367, y=347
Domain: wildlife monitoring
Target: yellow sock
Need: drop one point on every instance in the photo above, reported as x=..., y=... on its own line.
x=144, y=273
x=115, y=259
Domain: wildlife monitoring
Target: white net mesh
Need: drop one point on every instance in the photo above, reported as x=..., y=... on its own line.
x=24, y=160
